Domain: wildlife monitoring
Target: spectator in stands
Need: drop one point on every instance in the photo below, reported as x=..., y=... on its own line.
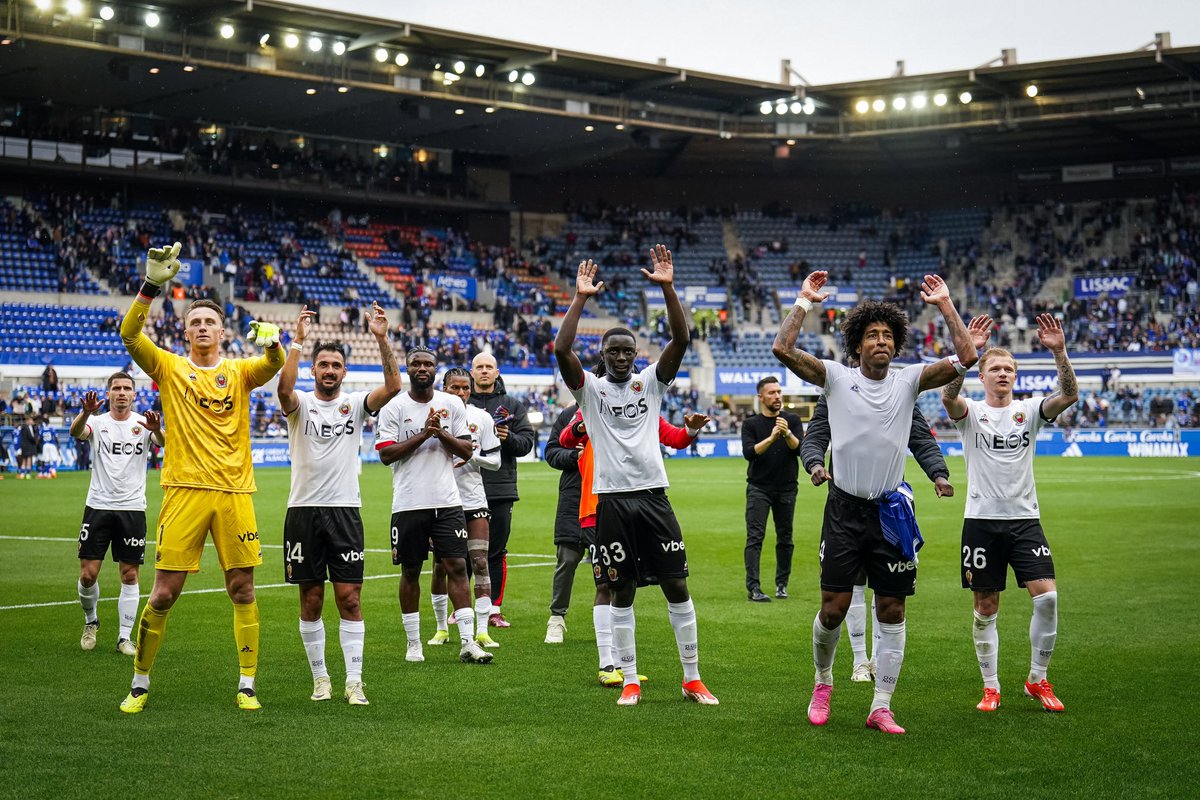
x=50, y=378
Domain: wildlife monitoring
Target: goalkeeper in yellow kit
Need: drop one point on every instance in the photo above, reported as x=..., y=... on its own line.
x=207, y=476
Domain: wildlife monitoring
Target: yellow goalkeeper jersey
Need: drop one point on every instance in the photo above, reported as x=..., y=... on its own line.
x=206, y=410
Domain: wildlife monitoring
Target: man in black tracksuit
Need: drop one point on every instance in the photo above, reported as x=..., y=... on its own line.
x=568, y=536
x=771, y=443
x=517, y=438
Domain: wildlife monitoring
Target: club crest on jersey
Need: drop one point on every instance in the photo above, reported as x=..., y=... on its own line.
x=289, y=571
x=636, y=386
x=344, y=409
x=970, y=578
x=135, y=430
x=1019, y=417
x=473, y=428
x=444, y=413
x=612, y=573
x=221, y=381
x=596, y=571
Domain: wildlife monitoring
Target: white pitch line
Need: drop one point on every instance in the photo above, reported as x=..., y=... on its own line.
x=210, y=544
x=222, y=589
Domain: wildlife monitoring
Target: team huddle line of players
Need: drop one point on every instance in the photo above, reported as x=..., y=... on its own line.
x=437, y=446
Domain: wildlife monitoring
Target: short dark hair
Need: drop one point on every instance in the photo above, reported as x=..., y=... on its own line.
x=456, y=372
x=206, y=303
x=419, y=348
x=769, y=379
x=867, y=312
x=332, y=346
x=617, y=332
x=117, y=376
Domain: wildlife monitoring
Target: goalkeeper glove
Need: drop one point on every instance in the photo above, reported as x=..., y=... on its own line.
x=162, y=264
x=264, y=334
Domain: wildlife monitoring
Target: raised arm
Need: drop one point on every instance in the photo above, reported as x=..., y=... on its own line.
x=980, y=330
x=79, y=427
x=935, y=292
x=154, y=425
x=291, y=368
x=664, y=276
x=1050, y=334
x=380, y=395
x=564, y=342
x=804, y=364
x=260, y=370
x=162, y=264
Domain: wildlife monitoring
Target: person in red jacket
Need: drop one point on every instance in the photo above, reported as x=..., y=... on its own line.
x=573, y=437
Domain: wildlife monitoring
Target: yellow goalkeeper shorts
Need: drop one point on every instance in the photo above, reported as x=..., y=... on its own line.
x=188, y=515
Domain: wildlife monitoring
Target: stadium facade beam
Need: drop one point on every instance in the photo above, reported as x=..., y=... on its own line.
x=379, y=37
x=1178, y=66
x=532, y=60
x=651, y=84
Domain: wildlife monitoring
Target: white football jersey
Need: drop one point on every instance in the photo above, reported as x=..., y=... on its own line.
x=119, y=454
x=622, y=423
x=425, y=479
x=998, y=445
x=487, y=449
x=324, y=438
x=869, y=426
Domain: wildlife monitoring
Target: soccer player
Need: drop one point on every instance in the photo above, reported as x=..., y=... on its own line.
x=422, y=434
x=929, y=456
x=30, y=445
x=115, y=510
x=869, y=521
x=638, y=540
x=1002, y=523
x=468, y=476
x=323, y=531
x=207, y=477
x=48, y=458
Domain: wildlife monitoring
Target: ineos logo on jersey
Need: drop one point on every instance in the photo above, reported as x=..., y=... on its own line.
x=217, y=405
x=627, y=411
x=1012, y=441
x=126, y=448
x=327, y=431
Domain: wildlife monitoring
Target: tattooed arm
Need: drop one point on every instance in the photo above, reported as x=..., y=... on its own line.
x=804, y=364
x=380, y=395
x=1050, y=333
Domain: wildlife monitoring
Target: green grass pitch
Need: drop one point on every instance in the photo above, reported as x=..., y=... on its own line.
x=1126, y=545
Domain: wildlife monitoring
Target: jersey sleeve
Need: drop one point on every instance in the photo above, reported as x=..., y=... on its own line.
x=911, y=377
x=583, y=395
x=649, y=376
x=834, y=373
x=257, y=371
x=458, y=419
x=145, y=353
x=359, y=400
x=388, y=430
x=1034, y=411
x=968, y=420
x=489, y=442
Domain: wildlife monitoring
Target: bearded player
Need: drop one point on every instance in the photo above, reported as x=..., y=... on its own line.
x=207, y=476
x=1002, y=521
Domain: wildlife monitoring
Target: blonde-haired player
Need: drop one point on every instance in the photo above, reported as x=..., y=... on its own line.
x=1002, y=520
x=207, y=476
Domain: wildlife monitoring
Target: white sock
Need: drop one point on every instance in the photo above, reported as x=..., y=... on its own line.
x=245, y=682
x=874, y=629
x=824, y=649
x=440, y=602
x=602, y=622
x=1043, y=630
x=856, y=624
x=313, y=636
x=623, y=628
x=352, y=633
x=890, y=657
x=127, y=606
x=466, y=623
x=482, y=606
x=141, y=681
x=412, y=626
x=88, y=597
x=987, y=649
x=683, y=620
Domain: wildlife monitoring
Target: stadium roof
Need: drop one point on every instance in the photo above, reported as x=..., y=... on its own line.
x=641, y=116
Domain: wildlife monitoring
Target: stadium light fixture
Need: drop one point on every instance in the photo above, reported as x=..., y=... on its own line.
x=227, y=31
x=589, y=128
x=965, y=98
x=862, y=106
x=878, y=105
x=919, y=101
x=796, y=107
x=310, y=91
x=458, y=112
x=189, y=67
x=401, y=59
x=514, y=76
x=1031, y=90
x=619, y=126
x=490, y=110
x=765, y=107
x=74, y=8
x=343, y=89
x=460, y=67
x=810, y=107
x=781, y=107
x=291, y=41
x=41, y=5
x=381, y=55
x=940, y=99
x=791, y=142
x=315, y=44
x=528, y=79
x=899, y=103
x=152, y=19
x=479, y=70
x=339, y=48
x=154, y=70
x=107, y=13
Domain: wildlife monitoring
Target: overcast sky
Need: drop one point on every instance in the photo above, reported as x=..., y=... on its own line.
x=828, y=42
